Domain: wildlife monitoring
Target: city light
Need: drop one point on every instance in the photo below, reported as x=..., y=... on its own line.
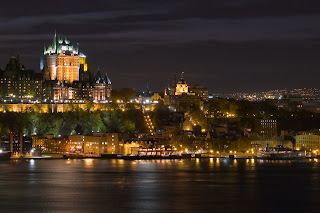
x=214, y=106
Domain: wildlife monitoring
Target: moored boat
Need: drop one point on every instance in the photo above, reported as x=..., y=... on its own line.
x=73, y=156
x=280, y=152
x=5, y=155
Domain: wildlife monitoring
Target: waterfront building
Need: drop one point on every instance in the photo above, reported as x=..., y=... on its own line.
x=97, y=144
x=48, y=144
x=94, y=145
x=307, y=141
x=16, y=143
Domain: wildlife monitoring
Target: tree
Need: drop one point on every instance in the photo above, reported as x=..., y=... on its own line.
x=220, y=144
x=124, y=94
x=160, y=115
x=197, y=117
x=89, y=105
x=240, y=145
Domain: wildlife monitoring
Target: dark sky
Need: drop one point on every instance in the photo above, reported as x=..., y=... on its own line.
x=226, y=45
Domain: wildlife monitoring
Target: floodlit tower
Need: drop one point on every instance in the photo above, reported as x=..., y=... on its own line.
x=62, y=60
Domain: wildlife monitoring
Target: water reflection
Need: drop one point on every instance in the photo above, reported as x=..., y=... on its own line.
x=31, y=163
x=211, y=161
x=235, y=161
x=188, y=185
x=88, y=162
x=68, y=161
x=218, y=161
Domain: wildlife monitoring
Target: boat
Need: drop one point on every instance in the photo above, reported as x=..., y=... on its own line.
x=149, y=157
x=130, y=157
x=160, y=157
x=73, y=156
x=5, y=155
x=280, y=152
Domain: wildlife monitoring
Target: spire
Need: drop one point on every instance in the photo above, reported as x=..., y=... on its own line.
x=182, y=73
x=98, y=76
x=108, y=80
x=78, y=48
x=54, y=42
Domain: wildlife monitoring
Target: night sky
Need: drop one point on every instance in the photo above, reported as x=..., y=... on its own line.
x=226, y=45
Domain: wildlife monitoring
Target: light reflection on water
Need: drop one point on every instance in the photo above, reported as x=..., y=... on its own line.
x=196, y=185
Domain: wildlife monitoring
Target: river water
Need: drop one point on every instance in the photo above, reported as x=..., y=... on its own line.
x=193, y=185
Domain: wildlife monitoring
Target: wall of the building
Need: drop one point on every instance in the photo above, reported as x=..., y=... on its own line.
x=308, y=141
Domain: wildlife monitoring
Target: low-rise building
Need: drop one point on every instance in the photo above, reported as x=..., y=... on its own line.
x=95, y=145
x=49, y=144
x=307, y=141
x=99, y=143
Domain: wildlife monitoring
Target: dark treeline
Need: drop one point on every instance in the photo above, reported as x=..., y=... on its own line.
x=73, y=122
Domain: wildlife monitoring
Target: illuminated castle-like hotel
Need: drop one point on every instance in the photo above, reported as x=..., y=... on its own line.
x=66, y=75
x=61, y=61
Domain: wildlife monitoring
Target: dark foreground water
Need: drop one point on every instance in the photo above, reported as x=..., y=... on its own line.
x=206, y=185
